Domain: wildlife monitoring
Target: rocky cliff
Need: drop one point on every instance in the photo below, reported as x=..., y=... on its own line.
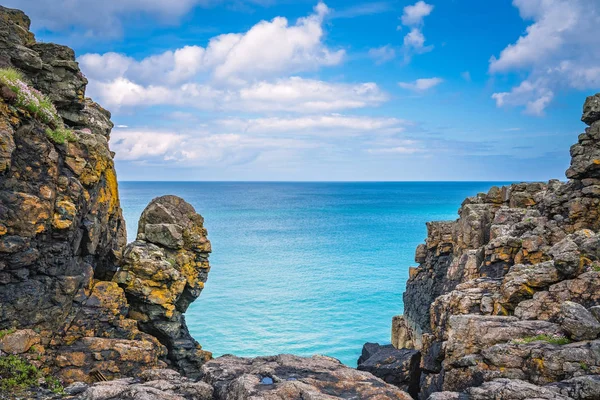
x=505, y=301
x=89, y=303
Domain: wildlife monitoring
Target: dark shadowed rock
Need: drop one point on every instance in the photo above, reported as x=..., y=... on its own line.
x=394, y=366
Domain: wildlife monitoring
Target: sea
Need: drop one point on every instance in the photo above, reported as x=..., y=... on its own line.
x=304, y=267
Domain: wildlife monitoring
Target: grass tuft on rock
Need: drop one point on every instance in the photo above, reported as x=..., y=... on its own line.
x=28, y=98
x=61, y=135
x=6, y=332
x=552, y=339
x=18, y=374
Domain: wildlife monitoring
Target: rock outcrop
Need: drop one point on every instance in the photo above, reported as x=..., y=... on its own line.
x=90, y=306
x=504, y=301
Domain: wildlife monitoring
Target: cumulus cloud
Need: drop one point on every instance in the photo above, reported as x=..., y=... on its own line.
x=413, y=18
x=293, y=94
x=196, y=148
x=238, y=140
x=268, y=48
x=413, y=15
x=559, y=50
x=421, y=85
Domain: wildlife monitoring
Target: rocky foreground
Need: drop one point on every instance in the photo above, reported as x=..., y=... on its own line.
x=505, y=302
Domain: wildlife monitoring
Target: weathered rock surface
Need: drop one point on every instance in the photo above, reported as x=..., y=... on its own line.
x=62, y=236
x=398, y=367
x=292, y=377
x=505, y=299
x=163, y=272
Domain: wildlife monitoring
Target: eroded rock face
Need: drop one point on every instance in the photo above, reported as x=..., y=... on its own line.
x=62, y=236
x=511, y=289
x=162, y=272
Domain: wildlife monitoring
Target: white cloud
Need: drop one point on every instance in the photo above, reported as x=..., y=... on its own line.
x=559, y=50
x=267, y=49
x=382, y=54
x=413, y=15
x=414, y=40
x=291, y=94
x=196, y=148
x=323, y=125
x=360, y=10
x=421, y=85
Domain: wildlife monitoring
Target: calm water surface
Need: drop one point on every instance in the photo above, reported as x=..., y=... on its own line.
x=304, y=268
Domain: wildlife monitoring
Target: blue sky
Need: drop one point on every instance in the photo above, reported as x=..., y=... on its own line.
x=335, y=90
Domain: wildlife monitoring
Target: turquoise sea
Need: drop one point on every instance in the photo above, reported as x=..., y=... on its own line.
x=304, y=268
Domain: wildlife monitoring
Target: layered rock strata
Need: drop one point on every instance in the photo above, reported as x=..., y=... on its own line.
x=506, y=296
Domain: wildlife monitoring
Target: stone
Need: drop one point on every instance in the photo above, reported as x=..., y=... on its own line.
x=595, y=310
x=582, y=387
x=19, y=342
x=76, y=388
x=293, y=377
x=578, y=322
x=512, y=389
x=162, y=272
x=591, y=109
x=399, y=367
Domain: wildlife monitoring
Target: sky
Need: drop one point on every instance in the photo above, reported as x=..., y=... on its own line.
x=335, y=90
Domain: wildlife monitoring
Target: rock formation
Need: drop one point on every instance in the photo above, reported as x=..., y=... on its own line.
x=62, y=235
x=504, y=301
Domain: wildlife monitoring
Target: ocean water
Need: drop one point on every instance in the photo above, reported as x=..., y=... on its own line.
x=304, y=268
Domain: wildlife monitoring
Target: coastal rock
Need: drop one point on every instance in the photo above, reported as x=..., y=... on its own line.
x=163, y=272
x=160, y=384
x=397, y=367
x=62, y=235
x=292, y=377
x=511, y=288
x=578, y=322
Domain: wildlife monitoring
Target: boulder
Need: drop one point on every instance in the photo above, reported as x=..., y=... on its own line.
x=399, y=367
x=292, y=377
x=19, y=342
x=578, y=322
x=591, y=109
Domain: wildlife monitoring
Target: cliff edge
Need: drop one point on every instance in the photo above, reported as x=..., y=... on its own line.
x=505, y=301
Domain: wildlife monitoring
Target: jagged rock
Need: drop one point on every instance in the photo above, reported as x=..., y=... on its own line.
x=578, y=322
x=162, y=272
x=591, y=109
x=401, y=333
x=292, y=377
x=397, y=367
x=582, y=387
x=512, y=389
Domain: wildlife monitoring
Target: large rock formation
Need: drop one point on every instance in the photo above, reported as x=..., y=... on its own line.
x=504, y=299
x=62, y=235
